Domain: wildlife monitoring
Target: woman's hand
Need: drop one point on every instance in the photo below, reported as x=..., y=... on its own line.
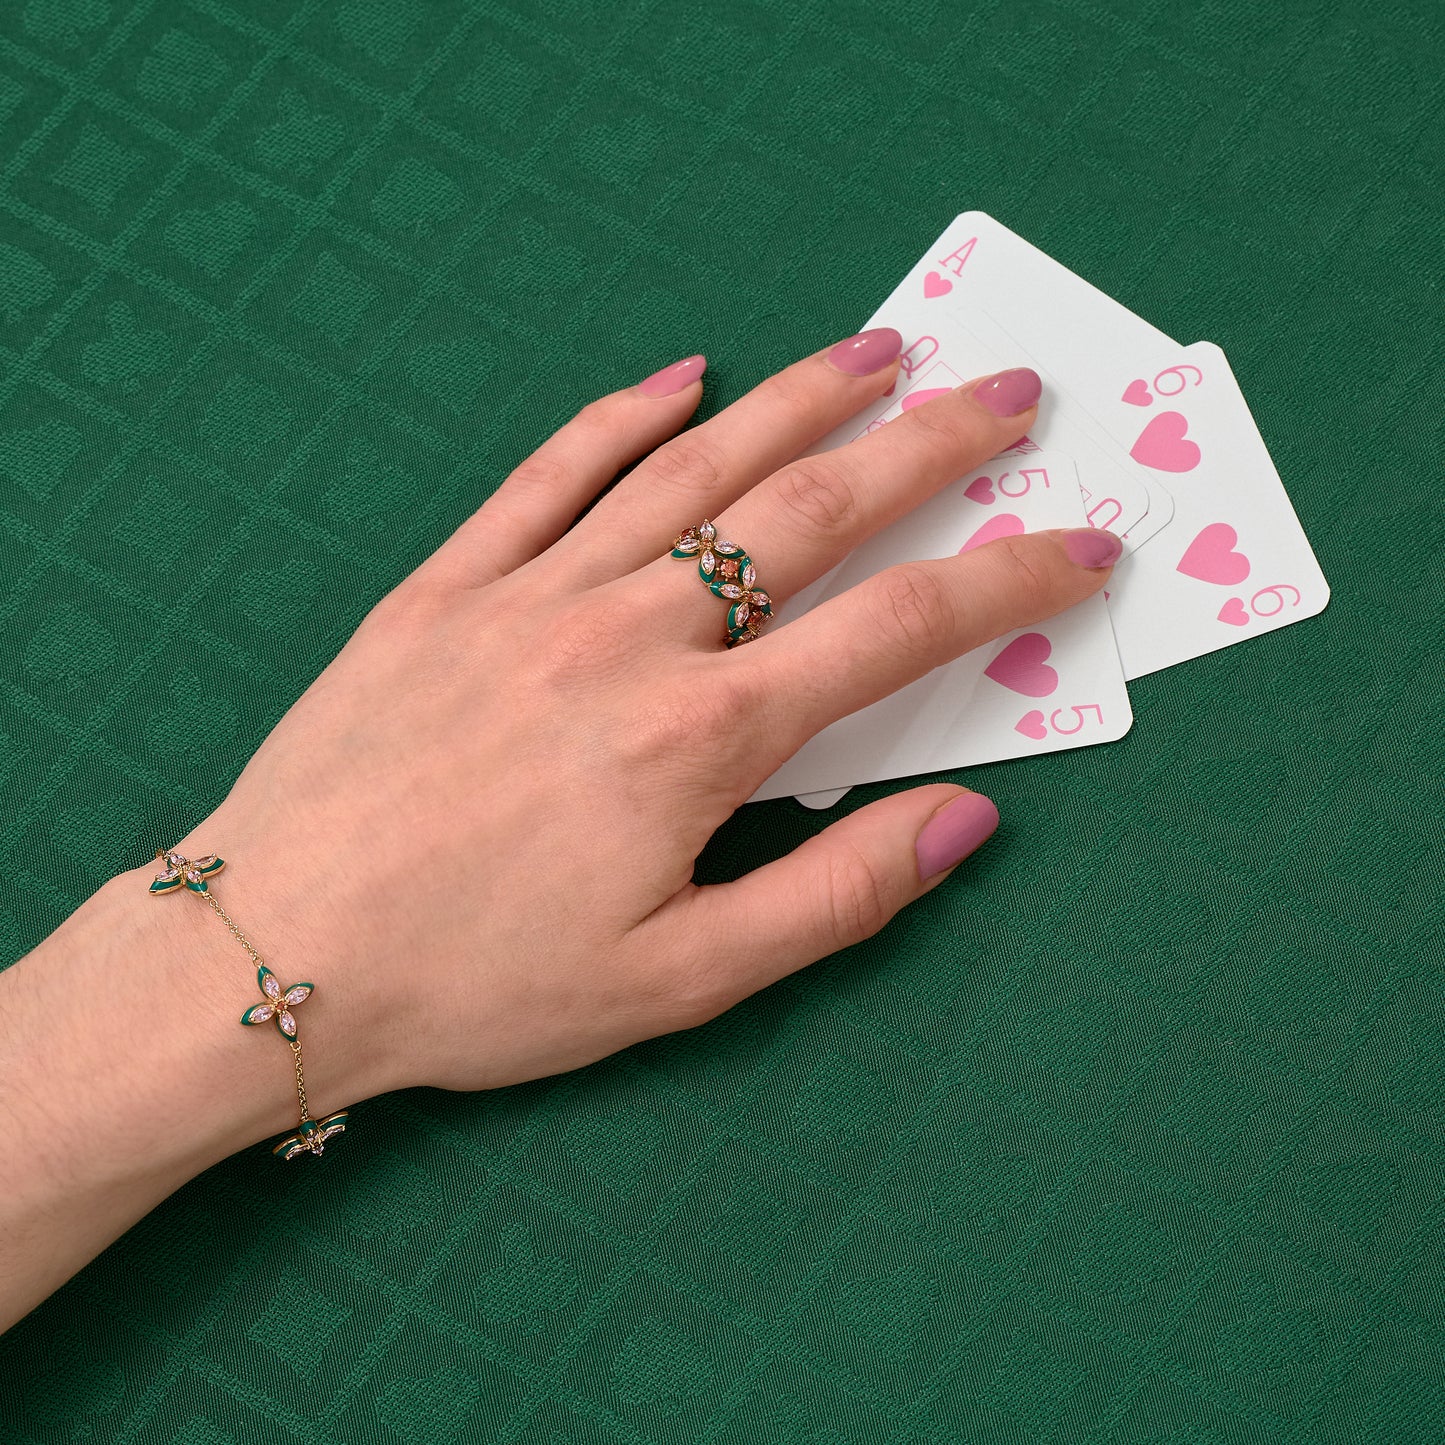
x=475, y=832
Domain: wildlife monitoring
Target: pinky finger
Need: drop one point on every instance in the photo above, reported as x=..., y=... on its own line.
x=543, y=496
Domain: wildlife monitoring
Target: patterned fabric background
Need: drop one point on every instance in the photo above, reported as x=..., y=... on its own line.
x=1130, y=1133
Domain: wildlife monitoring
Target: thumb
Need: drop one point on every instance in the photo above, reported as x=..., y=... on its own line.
x=837, y=889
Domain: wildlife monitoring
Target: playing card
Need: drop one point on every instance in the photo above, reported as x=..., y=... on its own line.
x=1114, y=499
x=1055, y=685
x=1233, y=523
x=939, y=353
x=1059, y=404
x=1235, y=562
x=978, y=266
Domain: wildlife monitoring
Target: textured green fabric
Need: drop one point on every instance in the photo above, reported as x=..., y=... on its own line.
x=1132, y=1132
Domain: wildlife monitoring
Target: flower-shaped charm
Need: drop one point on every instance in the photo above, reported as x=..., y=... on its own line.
x=278, y=1004
x=182, y=872
x=703, y=543
x=749, y=613
x=311, y=1136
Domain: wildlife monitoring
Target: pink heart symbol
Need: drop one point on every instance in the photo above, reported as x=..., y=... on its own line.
x=935, y=285
x=1233, y=612
x=1211, y=557
x=980, y=489
x=1031, y=725
x=1137, y=394
x=1003, y=525
x=1020, y=667
x=917, y=398
x=1161, y=444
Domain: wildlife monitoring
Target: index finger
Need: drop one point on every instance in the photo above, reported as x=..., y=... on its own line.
x=901, y=623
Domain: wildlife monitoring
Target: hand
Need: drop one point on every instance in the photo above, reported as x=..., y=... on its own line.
x=475, y=832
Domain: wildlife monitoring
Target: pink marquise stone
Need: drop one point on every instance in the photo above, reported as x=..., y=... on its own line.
x=707, y=531
x=297, y=995
x=687, y=544
x=261, y=1013
x=288, y=1025
x=270, y=987
x=727, y=548
x=166, y=874
x=741, y=614
x=707, y=562
x=750, y=575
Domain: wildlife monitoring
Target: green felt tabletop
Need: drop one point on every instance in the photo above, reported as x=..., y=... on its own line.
x=1133, y=1131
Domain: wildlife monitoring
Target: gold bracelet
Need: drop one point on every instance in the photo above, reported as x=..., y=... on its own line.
x=193, y=873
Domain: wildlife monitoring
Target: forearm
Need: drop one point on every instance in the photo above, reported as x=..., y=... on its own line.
x=124, y=1071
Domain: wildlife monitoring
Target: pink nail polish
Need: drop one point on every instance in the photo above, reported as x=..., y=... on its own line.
x=671, y=379
x=1088, y=547
x=1007, y=393
x=953, y=832
x=867, y=352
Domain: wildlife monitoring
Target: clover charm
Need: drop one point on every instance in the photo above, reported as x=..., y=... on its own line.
x=278, y=1003
x=181, y=872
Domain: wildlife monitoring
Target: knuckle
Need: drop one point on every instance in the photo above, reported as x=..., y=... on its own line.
x=816, y=494
x=599, y=420
x=919, y=608
x=943, y=426
x=694, y=993
x=1027, y=577
x=575, y=645
x=685, y=467
x=672, y=722
x=414, y=607
x=539, y=475
x=862, y=896
x=797, y=388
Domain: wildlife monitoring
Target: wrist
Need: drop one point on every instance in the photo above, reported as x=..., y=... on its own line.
x=128, y=1042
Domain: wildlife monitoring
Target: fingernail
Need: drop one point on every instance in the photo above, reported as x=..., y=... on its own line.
x=1007, y=393
x=953, y=832
x=671, y=379
x=1090, y=547
x=867, y=352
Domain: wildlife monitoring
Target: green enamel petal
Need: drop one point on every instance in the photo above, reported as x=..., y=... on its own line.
x=332, y=1120
x=197, y=887
x=165, y=885
x=285, y=1144
x=214, y=867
